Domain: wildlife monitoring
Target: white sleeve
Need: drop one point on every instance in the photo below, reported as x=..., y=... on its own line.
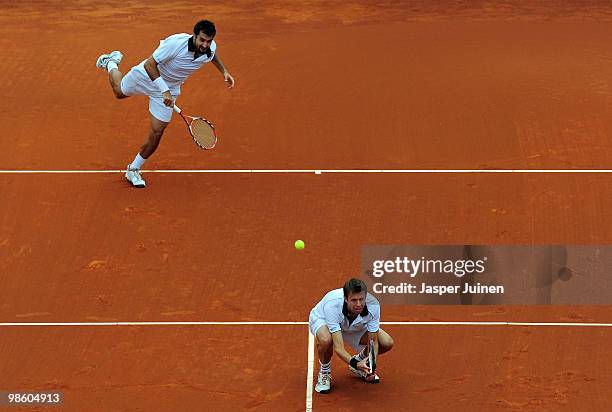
x=332, y=318
x=213, y=49
x=168, y=48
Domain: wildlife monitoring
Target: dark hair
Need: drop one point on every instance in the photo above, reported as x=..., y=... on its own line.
x=354, y=286
x=207, y=26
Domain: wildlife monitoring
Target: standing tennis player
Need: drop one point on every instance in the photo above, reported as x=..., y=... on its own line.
x=348, y=315
x=160, y=77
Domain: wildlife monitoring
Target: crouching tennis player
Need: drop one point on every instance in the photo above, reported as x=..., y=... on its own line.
x=160, y=77
x=348, y=315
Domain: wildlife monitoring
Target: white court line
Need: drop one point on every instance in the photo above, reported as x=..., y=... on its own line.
x=316, y=171
x=148, y=323
x=587, y=324
x=311, y=345
x=310, y=374
x=424, y=323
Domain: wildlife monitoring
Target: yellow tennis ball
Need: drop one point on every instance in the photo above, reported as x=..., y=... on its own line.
x=299, y=244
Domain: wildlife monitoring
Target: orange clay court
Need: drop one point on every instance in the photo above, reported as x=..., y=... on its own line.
x=369, y=85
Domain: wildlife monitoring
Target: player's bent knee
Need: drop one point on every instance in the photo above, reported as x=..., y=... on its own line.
x=118, y=93
x=387, y=344
x=158, y=129
x=156, y=134
x=324, y=337
x=325, y=341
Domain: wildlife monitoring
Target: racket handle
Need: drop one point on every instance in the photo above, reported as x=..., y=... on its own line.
x=176, y=109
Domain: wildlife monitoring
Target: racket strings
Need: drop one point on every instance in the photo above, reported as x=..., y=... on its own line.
x=203, y=133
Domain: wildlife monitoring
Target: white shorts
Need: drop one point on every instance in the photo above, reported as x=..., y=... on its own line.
x=137, y=83
x=352, y=339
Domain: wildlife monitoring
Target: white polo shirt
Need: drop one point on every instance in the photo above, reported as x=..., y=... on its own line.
x=332, y=310
x=175, y=61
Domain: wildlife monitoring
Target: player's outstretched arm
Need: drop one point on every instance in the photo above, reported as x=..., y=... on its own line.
x=226, y=74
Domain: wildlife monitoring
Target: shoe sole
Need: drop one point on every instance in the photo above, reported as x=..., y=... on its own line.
x=324, y=391
x=137, y=186
x=108, y=58
x=99, y=64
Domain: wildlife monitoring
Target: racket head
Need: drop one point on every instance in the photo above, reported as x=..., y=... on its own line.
x=372, y=357
x=203, y=133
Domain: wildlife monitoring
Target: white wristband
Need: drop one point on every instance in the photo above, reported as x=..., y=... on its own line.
x=161, y=84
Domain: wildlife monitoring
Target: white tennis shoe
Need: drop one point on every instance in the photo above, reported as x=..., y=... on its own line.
x=133, y=176
x=103, y=60
x=323, y=383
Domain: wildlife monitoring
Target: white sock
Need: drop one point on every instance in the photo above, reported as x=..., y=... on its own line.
x=325, y=367
x=137, y=162
x=111, y=66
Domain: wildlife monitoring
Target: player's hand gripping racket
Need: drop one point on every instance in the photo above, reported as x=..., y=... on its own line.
x=202, y=131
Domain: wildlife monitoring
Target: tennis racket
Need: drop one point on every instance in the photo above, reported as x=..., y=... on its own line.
x=202, y=131
x=372, y=357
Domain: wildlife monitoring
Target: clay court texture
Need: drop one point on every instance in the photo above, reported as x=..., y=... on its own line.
x=443, y=122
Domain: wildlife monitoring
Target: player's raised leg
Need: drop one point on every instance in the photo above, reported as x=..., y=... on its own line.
x=110, y=62
x=325, y=350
